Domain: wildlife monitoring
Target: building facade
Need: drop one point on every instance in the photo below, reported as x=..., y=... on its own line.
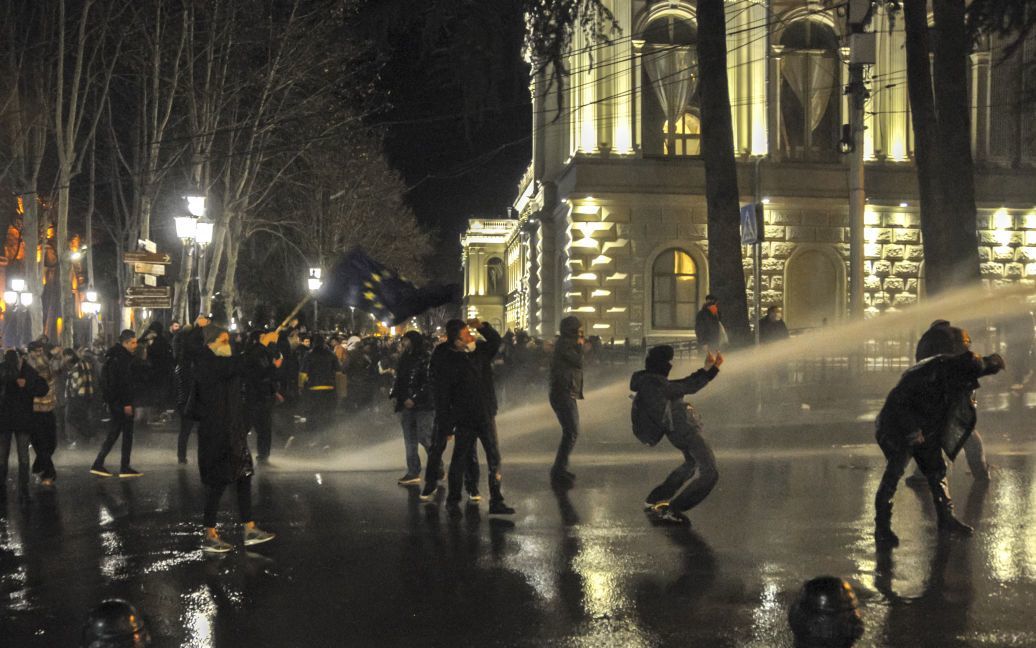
x=611, y=218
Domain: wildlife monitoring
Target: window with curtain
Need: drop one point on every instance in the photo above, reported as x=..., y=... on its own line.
x=810, y=72
x=495, y=284
x=674, y=290
x=670, y=72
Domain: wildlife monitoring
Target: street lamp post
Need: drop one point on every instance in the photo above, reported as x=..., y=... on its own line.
x=314, y=283
x=196, y=234
x=19, y=295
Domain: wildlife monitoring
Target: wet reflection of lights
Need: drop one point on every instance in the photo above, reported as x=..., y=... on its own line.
x=600, y=569
x=113, y=564
x=104, y=516
x=198, y=617
x=320, y=479
x=15, y=581
x=768, y=617
x=1011, y=548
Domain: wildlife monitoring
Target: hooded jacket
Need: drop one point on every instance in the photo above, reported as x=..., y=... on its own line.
x=566, y=366
x=683, y=425
x=707, y=327
x=935, y=396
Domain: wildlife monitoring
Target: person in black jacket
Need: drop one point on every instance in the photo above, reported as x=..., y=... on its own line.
x=20, y=384
x=707, y=326
x=318, y=373
x=683, y=489
x=261, y=363
x=772, y=327
x=223, y=455
x=412, y=393
x=465, y=407
x=566, y=387
x=930, y=410
x=120, y=391
x=187, y=346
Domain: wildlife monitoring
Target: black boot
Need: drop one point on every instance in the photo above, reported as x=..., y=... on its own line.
x=883, y=535
x=948, y=523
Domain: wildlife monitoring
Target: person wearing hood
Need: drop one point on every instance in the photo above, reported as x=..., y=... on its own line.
x=695, y=478
x=465, y=408
x=943, y=338
x=412, y=393
x=318, y=374
x=931, y=410
x=20, y=385
x=223, y=455
x=120, y=393
x=707, y=326
x=566, y=387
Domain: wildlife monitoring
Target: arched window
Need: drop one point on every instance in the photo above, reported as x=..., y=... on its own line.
x=495, y=277
x=670, y=70
x=810, y=91
x=674, y=290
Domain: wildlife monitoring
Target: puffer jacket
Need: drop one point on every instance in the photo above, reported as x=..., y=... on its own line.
x=413, y=381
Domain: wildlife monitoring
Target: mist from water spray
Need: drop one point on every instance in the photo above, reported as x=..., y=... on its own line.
x=606, y=408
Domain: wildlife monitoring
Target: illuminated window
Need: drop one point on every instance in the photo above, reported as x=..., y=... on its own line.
x=495, y=277
x=686, y=139
x=674, y=290
x=810, y=90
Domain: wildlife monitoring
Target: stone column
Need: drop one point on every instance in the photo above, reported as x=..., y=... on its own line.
x=774, y=132
x=980, y=101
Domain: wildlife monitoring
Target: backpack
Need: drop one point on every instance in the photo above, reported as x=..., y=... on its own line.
x=651, y=415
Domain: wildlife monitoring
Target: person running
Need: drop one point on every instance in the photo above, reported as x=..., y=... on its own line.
x=930, y=411
x=659, y=405
x=223, y=455
x=463, y=408
x=566, y=387
x=120, y=391
x=20, y=385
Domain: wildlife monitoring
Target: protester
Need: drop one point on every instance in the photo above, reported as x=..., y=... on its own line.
x=187, y=346
x=261, y=363
x=928, y=412
x=44, y=421
x=772, y=327
x=161, y=367
x=659, y=409
x=79, y=394
x=20, y=385
x=412, y=393
x=708, y=327
x=566, y=387
x=317, y=374
x=288, y=383
x=1019, y=333
x=223, y=455
x=462, y=408
x=120, y=391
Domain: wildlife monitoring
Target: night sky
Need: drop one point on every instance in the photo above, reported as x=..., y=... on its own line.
x=461, y=150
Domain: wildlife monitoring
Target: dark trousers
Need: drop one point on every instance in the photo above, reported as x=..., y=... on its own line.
x=77, y=419
x=698, y=457
x=898, y=454
x=261, y=414
x=186, y=425
x=44, y=442
x=435, y=452
x=567, y=411
x=120, y=425
x=22, y=440
x=214, y=492
x=321, y=405
x=464, y=448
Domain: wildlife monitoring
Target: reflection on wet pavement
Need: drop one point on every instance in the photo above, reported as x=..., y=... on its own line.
x=360, y=561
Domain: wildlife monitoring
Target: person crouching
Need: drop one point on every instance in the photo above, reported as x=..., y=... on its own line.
x=223, y=455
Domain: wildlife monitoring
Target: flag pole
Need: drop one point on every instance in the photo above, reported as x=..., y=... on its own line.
x=293, y=313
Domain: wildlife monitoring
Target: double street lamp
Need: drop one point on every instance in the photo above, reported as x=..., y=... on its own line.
x=192, y=229
x=18, y=294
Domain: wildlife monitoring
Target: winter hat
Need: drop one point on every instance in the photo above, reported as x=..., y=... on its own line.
x=658, y=359
x=453, y=329
x=570, y=325
x=416, y=340
x=211, y=333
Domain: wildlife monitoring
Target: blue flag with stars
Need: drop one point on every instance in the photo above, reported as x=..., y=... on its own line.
x=360, y=281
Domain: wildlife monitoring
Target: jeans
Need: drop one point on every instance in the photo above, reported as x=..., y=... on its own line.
x=417, y=430
x=435, y=452
x=898, y=454
x=186, y=425
x=567, y=411
x=464, y=447
x=44, y=442
x=262, y=422
x=697, y=457
x=213, y=493
x=121, y=424
x=22, y=440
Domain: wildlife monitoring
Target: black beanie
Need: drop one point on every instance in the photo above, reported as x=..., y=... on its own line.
x=658, y=359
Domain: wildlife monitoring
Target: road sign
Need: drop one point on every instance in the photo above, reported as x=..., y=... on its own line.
x=162, y=258
x=160, y=292
x=148, y=302
x=149, y=246
x=150, y=280
x=752, y=231
x=149, y=269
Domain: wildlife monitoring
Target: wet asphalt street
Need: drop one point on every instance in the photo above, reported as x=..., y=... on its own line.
x=359, y=561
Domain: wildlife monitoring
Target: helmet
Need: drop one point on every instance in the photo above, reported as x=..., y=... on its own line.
x=826, y=613
x=115, y=623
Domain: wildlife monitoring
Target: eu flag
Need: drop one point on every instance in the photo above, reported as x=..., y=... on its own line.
x=360, y=281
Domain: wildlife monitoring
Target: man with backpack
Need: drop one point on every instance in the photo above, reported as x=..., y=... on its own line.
x=659, y=410
x=119, y=387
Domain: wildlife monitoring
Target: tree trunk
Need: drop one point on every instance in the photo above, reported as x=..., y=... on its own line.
x=233, y=243
x=726, y=271
x=957, y=171
x=938, y=274
x=66, y=298
x=33, y=278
